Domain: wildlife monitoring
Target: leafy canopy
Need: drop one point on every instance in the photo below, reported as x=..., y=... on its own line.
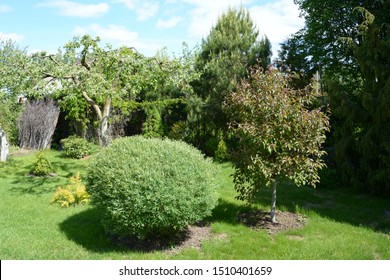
x=279, y=137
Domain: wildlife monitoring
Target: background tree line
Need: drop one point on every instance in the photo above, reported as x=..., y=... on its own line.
x=104, y=92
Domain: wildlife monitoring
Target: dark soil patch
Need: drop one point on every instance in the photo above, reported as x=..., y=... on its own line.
x=192, y=236
x=257, y=219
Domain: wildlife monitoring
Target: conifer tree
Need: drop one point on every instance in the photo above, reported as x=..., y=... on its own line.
x=363, y=145
x=233, y=45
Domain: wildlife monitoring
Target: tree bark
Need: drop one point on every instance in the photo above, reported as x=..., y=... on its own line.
x=4, y=146
x=273, y=205
x=104, y=134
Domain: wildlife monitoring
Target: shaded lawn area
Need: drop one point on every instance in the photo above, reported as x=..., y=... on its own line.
x=339, y=223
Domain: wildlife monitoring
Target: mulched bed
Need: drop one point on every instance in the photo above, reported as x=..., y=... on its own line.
x=192, y=236
x=257, y=219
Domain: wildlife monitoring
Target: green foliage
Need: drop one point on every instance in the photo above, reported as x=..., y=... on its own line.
x=232, y=46
x=179, y=131
x=222, y=152
x=42, y=166
x=153, y=126
x=294, y=57
x=77, y=147
x=354, y=60
x=336, y=19
x=217, y=148
x=320, y=45
x=10, y=112
x=211, y=145
x=149, y=186
x=278, y=136
x=363, y=122
x=14, y=66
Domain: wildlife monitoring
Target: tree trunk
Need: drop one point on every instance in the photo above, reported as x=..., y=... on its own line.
x=37, y=124
x=104, y=133
x=4, y=146
x=273, y=206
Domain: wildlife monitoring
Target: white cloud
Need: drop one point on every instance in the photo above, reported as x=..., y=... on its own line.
x=130, y=4
x=277, y=20
x=170, y=23
x=117, y=35
x=147, y=10
x=206, y=13
x=114, y=34
x=11, y=36
x=5, y=9
x=144, y=9
x=74, y=9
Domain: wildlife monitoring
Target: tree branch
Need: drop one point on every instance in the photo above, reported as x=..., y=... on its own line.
x=83, y=60
x=94, y=105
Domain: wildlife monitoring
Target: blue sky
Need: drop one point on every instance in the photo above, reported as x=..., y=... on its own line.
x=146, y=25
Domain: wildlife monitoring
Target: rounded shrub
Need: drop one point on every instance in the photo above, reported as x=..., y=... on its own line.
x=151, y=187
x=77, y=147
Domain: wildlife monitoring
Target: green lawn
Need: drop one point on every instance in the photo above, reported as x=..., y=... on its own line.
x=340, y=223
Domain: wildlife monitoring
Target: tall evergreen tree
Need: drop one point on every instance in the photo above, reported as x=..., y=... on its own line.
x=231, y=48
x=363, y=147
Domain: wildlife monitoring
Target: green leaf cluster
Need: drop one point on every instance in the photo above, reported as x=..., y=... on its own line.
x=77, y=147
x=149, y=186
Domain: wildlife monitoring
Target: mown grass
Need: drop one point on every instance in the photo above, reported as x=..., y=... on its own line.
x=341, y=224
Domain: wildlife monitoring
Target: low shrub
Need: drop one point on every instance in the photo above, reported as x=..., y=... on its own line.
x=148, y=187
x=222, y=152
x=77, y=147
x=73, y=194
x=41, y=167
x=211, y=146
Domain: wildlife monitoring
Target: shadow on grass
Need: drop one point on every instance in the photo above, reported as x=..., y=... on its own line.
x=23, y=183
x=34, y=185
x=227, y=212
x=85, y=229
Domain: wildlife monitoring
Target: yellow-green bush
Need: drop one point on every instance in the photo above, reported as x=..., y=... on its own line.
x=73, y=194
x=42, y=166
